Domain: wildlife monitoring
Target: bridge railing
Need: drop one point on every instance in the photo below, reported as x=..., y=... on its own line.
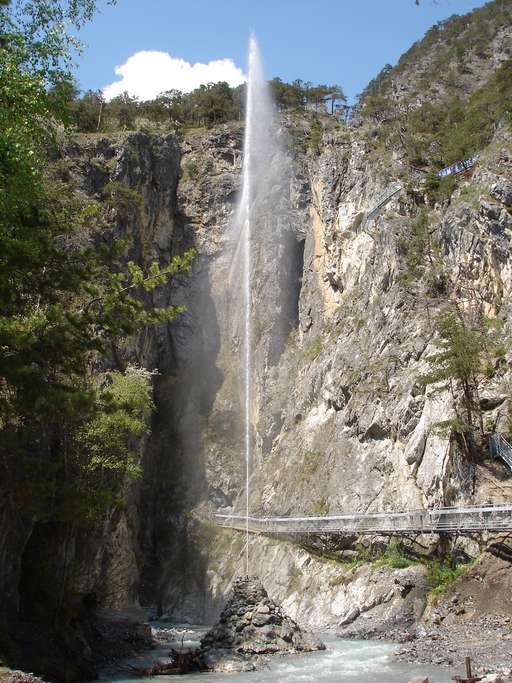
x=392, y=190
x=458, y=167
x=480, y=518
x=381, y=201
x=500, y=448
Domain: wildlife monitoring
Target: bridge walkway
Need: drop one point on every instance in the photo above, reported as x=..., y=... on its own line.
x=381, y=202
x=447, y=520
x=393, y=190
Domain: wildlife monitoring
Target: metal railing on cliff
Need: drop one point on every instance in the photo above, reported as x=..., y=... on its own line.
x=381, y=202
x=500, y=448
x=458, y=167
x=393, y=190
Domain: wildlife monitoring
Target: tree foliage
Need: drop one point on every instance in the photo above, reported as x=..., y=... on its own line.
x=421, y=255
x=440, y=134
x=39, y=30
x=68, y=295
x=104, y=446
x=207, y=105
x=437, y=134
x=468, y=348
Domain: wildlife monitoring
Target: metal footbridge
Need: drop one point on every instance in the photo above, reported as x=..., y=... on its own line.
x=381, y=202
x=458, y=167
x=395, y=189
x=433, y=521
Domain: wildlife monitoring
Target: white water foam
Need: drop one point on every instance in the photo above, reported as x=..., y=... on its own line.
x=349, y=661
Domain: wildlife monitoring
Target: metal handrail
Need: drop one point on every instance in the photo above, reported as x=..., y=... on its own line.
x=450, y=519
x=458, y=167
x=390, y=192
x=381, y=201
x=501, y=448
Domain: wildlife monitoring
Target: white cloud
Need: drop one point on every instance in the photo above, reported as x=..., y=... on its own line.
x=148, y=73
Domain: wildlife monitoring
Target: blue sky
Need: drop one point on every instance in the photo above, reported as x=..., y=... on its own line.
x=327, y=41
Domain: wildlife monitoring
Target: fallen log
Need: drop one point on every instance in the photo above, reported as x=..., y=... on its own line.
x=180, y=665
x=160, y=670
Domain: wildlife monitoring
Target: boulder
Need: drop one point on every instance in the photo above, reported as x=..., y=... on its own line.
x=502, y=190
x=251, y=624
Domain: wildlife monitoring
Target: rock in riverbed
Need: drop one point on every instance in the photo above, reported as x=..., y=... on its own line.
x=10, y=676
x=252, y=625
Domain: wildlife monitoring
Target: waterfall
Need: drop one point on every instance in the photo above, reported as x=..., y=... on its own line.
x=258, y=127
x=261, y=267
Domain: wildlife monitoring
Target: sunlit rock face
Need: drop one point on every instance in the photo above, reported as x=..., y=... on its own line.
x=342, y=421
x=252, y=624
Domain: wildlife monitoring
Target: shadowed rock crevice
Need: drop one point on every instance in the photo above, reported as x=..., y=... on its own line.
x=295, y=284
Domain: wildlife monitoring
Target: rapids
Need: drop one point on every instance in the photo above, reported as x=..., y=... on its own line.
x=344, y=661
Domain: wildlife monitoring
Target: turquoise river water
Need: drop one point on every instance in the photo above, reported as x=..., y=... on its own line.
x=344, y=661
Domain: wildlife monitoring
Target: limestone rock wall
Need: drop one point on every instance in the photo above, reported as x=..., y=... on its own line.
x=343, y=422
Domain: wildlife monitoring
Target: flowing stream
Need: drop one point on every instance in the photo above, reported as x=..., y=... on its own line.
x=344, y=661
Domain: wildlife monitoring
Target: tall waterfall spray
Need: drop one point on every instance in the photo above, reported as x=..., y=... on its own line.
x=258, y=125
x=260, y=305
x=245, y=209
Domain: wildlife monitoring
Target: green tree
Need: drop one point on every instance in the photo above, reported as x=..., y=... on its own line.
x=86, y=113
x=288, y=95
x=336, y=96
x=103, y=446
x=278, y=88
x=67, y=299
x=61, y=96
x=124, y=109
x=171, y=103
x=468, y=346
x=422, y=256
x=39, y=31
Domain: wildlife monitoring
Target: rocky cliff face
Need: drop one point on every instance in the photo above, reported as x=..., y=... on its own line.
x=341, y=423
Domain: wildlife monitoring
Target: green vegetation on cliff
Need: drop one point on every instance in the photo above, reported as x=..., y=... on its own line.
x=440, y=134
x=207, y=105
x=436, y=134
x=443, y=101
x=446, y=43
x=469, y=346
x=68, y=433
x=442, y=573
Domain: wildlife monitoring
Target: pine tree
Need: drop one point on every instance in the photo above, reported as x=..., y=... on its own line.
x=468, y=348
x=67, y=297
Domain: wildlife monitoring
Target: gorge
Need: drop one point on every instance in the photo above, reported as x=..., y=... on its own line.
x=315, y=373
